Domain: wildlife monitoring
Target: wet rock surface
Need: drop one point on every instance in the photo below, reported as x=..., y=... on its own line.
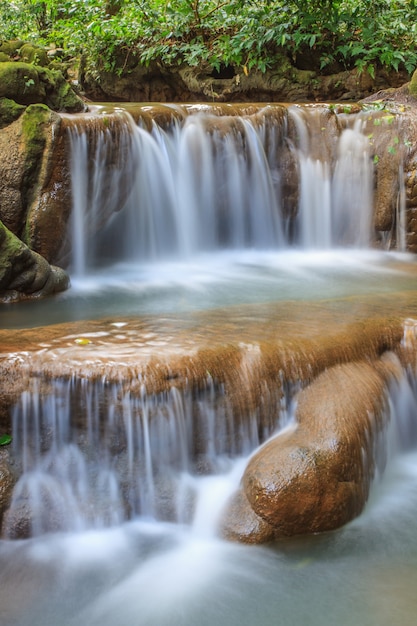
x=316, y=478
x=7, y=481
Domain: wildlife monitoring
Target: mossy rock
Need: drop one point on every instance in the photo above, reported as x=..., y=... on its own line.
x=413, y=85
x=4, y=57
x=30, y=84
x=59, y=94
x=9, y=111
x=61, y=66
x=35, y=118
x=30, y=53
x=20, y=82
x=24, y=273
x=36, y=122
x=11, y=48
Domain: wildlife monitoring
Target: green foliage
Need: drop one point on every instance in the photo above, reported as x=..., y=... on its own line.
x=5, y=440
x=246, y=33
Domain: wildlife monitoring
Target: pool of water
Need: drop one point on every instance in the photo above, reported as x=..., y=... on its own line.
x=218, y=280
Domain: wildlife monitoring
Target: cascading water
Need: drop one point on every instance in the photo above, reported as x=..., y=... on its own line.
x=102, y=454
x=336, y=186
x=209, y=183
x=135, y=455
x=121, y=491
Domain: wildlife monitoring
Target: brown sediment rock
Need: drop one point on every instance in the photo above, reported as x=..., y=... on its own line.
x=317, y=477
x=240, y=522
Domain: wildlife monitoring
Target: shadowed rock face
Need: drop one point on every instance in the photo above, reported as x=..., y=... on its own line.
x=24, y=274
x=6, y=481
x=282, y=83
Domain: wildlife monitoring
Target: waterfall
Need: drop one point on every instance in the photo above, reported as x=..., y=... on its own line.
x=198, y=188
x=101, y=161
x=93, y=454
x=336, y=183
x=132, y=434
x=205, y=183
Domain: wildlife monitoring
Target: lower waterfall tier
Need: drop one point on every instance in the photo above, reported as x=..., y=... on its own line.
x=116, y=419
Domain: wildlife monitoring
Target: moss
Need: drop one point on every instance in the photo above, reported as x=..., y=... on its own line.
x=36, y=122
x=413, y=84
x=59, y=94
x=10, y=249
x=33, y=123
x=20, y=82
x=61, y=66
x=9, y=111
x=34, y=54
x=11, y=47
x=30, y=84
x=24, y=273
x=4, y=57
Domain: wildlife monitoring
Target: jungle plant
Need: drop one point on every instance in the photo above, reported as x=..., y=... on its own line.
x=246, y=33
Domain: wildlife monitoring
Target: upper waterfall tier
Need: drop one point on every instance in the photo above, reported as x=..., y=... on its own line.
x=151, y=185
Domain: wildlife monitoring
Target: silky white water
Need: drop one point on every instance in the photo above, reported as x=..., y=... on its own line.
x=207, y=184
x=147, y=572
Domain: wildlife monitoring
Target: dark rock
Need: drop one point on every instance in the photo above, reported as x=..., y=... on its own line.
x=6, y=482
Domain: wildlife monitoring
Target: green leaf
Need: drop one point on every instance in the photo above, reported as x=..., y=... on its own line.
x=371, y=71
x=5, y=440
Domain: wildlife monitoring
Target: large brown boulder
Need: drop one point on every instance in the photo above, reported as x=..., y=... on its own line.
x=315, y=476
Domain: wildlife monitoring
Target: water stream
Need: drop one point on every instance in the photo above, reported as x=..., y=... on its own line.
x=165, y=573
x=126, y=490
